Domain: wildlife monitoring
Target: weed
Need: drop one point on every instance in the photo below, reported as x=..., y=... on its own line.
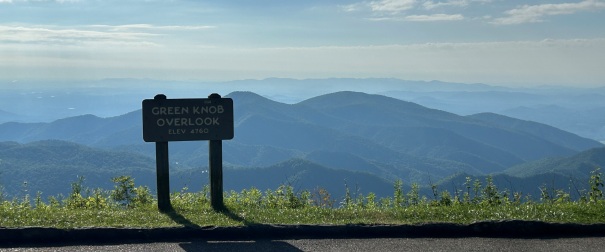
x=476, y=190
x=490, y=194
x=466, y=198
x=98, y=200
x=347, y=201
x=323, y=198
x=371, y=201
x=561, y=196
x=38, y=203
x=433, y=188
x=596, y=183
x=517, y=198
x=2, y=195
x=414, y=194
x=446, y=198
x=398, y=195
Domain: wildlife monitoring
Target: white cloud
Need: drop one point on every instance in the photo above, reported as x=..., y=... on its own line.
x=70, y=36
x=432, y=4
x=353, y=7
x=536, y=13
x=434, y=17
x=392, y=6
x=429, y=5
x=421, y=18
x=394, y=10
x=139, y=35
x=154, y=27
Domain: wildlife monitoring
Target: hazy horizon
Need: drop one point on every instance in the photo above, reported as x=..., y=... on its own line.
x=504, y=43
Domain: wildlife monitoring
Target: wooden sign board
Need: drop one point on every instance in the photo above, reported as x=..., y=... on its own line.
x=167, y=120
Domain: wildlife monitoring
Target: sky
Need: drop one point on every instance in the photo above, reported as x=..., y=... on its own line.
x=501, y=42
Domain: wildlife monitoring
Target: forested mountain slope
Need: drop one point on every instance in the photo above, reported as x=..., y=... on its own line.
x=387, y=137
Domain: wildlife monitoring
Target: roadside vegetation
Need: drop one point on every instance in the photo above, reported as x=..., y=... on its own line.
x=127, y=205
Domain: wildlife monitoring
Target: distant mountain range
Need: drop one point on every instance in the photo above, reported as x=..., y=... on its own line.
x=373, y=136
x=579, y=110
x=7, y=116
x=589, y=121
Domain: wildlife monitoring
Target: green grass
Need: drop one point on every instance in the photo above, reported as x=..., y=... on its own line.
x=462, y=214
x=134, y=207
x=15, y=214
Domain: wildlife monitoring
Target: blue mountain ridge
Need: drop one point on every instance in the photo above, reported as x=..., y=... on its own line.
x=350, y=131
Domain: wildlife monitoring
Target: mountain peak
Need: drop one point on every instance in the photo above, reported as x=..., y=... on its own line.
x=374, y=104
x=246, y=97
x=345, y=98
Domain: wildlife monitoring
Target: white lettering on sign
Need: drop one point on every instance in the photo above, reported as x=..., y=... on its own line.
x=176, y=131
x=199, y=131
x=196, y=110
x=183, y=131
x=208, y=110
x=200, y=121
x=170, y=110
x=188, y=121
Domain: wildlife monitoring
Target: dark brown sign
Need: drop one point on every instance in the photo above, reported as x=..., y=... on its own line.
x=167, y=120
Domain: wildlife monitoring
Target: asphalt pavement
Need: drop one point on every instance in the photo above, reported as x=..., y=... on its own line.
x=585, y=244
x=481, y=236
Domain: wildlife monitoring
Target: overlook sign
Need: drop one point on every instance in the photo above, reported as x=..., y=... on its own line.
x=166, y=120
x=187, y=119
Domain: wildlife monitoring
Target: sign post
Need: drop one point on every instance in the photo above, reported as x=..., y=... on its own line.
x=215, y=158
x=163, y=176
x=167, y=120
x=216, y=174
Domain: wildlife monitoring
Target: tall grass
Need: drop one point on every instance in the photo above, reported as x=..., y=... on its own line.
x=129, y=206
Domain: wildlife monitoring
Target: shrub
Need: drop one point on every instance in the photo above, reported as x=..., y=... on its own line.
x=142, y=196
x=322, y=198
x=75, y=198
x=124, y=191
x=414, y=194
x=98, y=199
x=490, y=194
x=446, y=198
